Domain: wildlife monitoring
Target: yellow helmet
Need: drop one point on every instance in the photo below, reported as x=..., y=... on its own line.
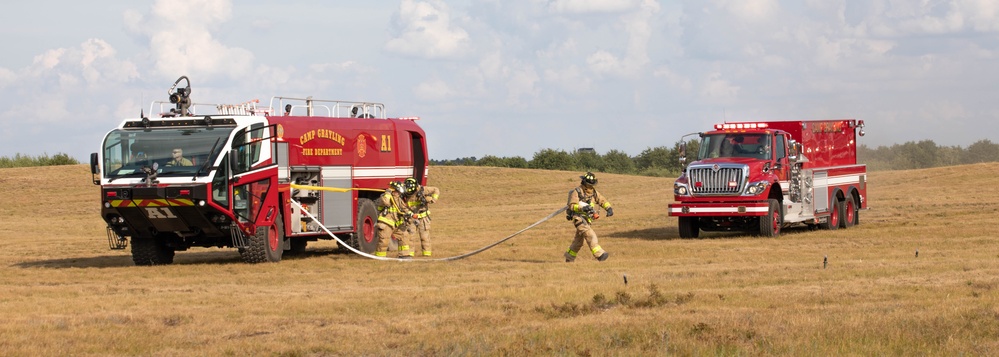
x=410, y=185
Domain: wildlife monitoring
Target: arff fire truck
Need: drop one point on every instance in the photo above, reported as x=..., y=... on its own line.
x=206, y=175
x=762, y=176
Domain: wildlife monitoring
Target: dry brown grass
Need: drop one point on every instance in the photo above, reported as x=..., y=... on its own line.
x=64, y=293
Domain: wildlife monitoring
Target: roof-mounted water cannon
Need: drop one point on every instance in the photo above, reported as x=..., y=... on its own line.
x=182, y=97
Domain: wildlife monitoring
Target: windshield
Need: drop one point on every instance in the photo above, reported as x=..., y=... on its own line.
x=755, y=146
x=170, y=152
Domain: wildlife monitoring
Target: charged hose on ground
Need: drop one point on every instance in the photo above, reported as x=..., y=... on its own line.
x=462, y=256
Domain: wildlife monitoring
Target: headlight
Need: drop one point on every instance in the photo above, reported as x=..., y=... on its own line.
x=680, y=190
x=756, y=188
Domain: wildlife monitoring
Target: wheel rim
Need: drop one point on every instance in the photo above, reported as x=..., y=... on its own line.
x=272, y=238
x=368, y=229
x=775, y=224
x=850, y=212
x=834, y=216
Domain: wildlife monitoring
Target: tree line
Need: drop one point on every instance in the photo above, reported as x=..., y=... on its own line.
x=664, y=161
x=20, y=160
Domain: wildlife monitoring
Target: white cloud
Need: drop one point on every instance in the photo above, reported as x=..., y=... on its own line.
x=750, y=10
x=434, y=90
x=59, y=78
x=49, y=59
x=570, y=78
x=718, y=89
x=676, y=80
x=424, y=30
x=7, y=77
x=523, y=84
x=592, y=6
x=638, y=30
x=181, y=40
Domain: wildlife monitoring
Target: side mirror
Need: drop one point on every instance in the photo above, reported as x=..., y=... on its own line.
x=793, y=151
x=683, y=154
x=95, y=168
x=233, y=161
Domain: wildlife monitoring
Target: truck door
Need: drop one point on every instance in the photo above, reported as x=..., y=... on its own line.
x=419, y=156
x=782, y=164
x=254, y=175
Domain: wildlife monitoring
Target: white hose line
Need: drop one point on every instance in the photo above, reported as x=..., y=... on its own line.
x=480, y=250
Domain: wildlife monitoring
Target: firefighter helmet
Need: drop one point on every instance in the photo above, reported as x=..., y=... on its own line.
x=410, y=185
x=397, y=186
x=589, y=179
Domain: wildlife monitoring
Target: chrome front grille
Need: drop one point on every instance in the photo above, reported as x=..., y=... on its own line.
x=717, y=180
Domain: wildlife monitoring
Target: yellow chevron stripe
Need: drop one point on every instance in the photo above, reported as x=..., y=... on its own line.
x=157, y=202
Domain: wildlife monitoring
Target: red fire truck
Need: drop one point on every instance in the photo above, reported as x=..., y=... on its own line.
x=205, y=175
x=762, y=176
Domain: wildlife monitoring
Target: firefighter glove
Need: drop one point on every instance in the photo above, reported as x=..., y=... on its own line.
x=610, y=211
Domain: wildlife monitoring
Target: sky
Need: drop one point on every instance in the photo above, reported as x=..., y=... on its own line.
x=510, y=78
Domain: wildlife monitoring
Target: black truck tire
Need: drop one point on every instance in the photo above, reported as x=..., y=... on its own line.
x=835, y=215
x=267, y=245
x=689, y=227
x=850, y=213
x=364, y=237
x=771, y=223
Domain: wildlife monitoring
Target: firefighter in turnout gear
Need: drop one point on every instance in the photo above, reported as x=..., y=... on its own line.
x=419, y=198
x=394, y=218
x=582, y=211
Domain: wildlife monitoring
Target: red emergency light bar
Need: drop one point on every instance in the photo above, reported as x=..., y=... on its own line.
x=740, y=126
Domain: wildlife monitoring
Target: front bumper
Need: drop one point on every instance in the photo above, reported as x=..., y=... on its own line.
x=727, y=209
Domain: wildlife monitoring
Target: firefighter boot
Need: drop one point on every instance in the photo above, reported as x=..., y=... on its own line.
x=600, y=254
x=570, y=256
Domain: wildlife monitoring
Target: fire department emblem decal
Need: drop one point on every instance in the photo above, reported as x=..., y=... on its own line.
x=362, y=145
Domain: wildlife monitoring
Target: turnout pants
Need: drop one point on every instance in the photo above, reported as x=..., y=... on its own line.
x=422, y=227
x=583, y=233
x=385, y=232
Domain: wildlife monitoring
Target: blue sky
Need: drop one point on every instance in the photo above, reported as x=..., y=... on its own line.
x=510, y=78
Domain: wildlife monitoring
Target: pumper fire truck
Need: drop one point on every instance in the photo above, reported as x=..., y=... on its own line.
x=762, y=176
x=227, y=178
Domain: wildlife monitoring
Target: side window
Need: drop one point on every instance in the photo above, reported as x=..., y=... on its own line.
x=781, y=149
x=249, y=143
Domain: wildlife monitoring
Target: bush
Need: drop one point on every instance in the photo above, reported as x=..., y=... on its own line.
x=550, y=159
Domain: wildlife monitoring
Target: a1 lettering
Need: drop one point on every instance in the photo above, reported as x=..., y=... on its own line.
x=159, y=213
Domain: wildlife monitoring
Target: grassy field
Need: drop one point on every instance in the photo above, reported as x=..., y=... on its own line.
x=65, y=293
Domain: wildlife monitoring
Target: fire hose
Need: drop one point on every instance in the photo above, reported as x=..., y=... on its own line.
x=462, y=256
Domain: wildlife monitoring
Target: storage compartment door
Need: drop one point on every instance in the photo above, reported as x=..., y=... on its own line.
x=338, y=207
